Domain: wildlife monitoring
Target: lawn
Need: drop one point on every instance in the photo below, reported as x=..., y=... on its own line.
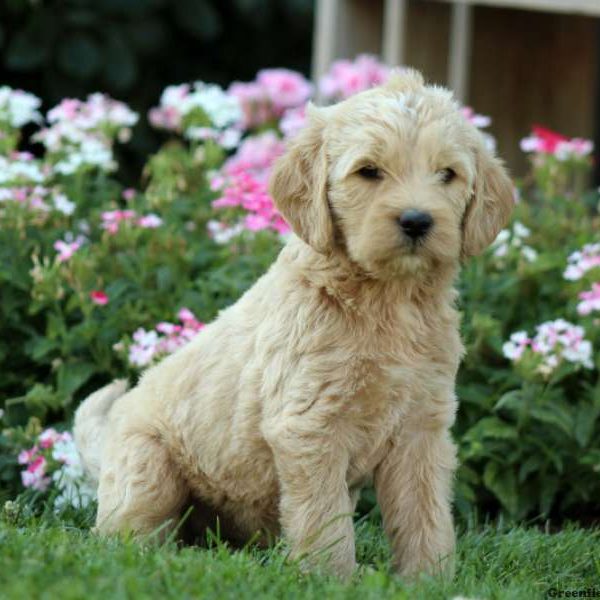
x=50, y=560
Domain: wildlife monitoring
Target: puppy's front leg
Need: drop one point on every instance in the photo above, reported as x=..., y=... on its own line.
x=315, y=504
x=414, y=488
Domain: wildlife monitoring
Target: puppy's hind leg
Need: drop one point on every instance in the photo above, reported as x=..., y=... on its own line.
x=140, y=490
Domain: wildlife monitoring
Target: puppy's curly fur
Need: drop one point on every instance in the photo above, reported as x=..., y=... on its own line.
x=337, y=367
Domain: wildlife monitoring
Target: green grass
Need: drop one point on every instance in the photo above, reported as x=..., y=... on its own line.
x=47, y=559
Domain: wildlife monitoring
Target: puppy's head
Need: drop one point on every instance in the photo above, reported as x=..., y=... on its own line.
x=394, y=177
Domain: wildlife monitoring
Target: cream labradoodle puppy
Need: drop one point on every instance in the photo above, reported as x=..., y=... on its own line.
x=337, y=367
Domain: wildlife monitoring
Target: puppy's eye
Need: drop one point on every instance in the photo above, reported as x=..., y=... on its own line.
x=369, y=172
x=447, y=175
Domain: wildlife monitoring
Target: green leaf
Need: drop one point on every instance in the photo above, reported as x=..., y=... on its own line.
x=491, y=427
x=79, y=56
x=500, y=480
x=117, y=288
x=548, y=493
x=585, y=421
x=40, y=347
x=512, y=401
x=532, y=464
x=72, y=375
x=164, y=278
x=553, y=414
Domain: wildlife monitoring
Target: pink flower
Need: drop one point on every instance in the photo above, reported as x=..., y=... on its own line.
x=293, y=120
x=554, y=341
x=167, y=328
x=34, y=477
x=548, y=142
x=67, y=249
x=256, y=222
x=346, y=78
x=112, y=219
x=129, y=194
x=185, y=314
x=255, y=156
x=150, y=221
x=67, y=110
x=284, y=88
x=48, y=437
x=590, y=300
x=582, y=261
x=27, y=456
x=480, y=121
x=99, y=297
x=148, y=345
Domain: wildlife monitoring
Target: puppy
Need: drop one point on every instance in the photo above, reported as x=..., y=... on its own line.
x=337, y=368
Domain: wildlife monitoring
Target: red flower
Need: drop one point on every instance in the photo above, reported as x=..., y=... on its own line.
x=99, y=297
x=549, y=140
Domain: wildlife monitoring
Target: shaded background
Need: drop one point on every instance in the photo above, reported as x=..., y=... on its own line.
x=133, y=49
x=526, y=66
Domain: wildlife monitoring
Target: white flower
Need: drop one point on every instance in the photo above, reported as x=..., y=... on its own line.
x=501, y=251
x=513, y=238
x=230, y=138
x=91, y=152
x=70, y=479
x=582, y=261
x=150, y=221
x=201, y=133
x=529, y=253
x=18, y=108
x=19, y=170
x=514, y=348
x=63, y=204
x=580, y=352
x=221, y=233
x=530, y=144
x=221, y=108
x=520, y=230
x=502, y=237
x=145, y=338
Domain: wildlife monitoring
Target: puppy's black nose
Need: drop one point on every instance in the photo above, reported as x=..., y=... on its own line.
x=415, y=223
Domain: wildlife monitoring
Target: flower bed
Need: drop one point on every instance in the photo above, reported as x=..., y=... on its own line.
x=98, y=281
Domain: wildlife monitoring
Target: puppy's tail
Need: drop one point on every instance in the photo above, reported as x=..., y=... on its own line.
x=91, y=420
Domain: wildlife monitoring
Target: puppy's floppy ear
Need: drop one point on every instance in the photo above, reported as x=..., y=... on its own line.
x=299, y=185
x=490, y=206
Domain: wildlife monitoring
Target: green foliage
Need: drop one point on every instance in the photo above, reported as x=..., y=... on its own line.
x=529, y=441
x=528, y=436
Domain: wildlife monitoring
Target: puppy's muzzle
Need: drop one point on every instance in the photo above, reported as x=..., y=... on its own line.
x=415, y=223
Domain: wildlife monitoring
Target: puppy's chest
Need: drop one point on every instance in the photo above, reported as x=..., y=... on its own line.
x=389, y=384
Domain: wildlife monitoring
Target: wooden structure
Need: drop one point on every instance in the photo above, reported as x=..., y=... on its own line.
x=519, y=61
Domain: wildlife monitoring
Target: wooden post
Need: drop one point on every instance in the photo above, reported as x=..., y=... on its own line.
x=324, y=37
x=343, y=29
x=460, y=49
x=393, y=49
x=597, y=110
